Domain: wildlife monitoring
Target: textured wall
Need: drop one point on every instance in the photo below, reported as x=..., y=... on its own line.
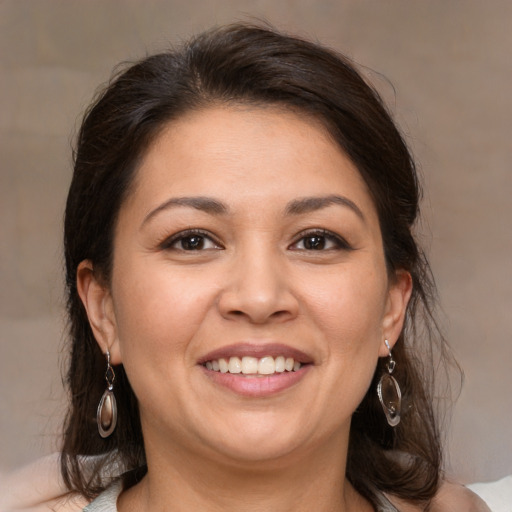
x=451, y=67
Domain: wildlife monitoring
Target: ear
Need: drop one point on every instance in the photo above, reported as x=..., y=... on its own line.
x=399, y=293
x=97, y=300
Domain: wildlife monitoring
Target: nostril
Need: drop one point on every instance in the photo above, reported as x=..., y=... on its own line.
x=279, y=314
x=254, y=318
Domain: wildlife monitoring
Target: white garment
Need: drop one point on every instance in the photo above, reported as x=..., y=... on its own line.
x=107, y=500
x=497, y=495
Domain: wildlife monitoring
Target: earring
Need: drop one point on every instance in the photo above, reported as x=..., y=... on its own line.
x=106, y=416
x=388, y=391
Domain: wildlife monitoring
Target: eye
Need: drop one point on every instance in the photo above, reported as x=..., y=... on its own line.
x=319, y=240
x=190, y=240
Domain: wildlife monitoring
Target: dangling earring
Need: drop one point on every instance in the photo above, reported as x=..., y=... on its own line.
x=388, y=390
x=106, y=416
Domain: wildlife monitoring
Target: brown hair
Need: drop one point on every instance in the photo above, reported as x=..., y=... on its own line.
x=257, y=65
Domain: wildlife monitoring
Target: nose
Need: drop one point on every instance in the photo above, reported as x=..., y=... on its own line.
x=258, y=289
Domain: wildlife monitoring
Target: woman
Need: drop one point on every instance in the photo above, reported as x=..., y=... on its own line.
x=245, y=291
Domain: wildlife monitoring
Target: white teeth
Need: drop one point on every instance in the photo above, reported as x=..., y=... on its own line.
x=248, y=365
x=266, y=366
x=223, y=366
x=235, y=365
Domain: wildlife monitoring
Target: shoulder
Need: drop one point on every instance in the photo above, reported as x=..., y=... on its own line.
x=38, y=487
x=68, y=503
x=451, y=497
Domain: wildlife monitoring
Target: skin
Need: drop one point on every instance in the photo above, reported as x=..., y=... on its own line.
x=255, y=279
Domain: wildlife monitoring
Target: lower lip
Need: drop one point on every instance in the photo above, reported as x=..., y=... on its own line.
x=253, y=386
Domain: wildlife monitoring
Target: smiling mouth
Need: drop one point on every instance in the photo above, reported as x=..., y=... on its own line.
x=253, y=366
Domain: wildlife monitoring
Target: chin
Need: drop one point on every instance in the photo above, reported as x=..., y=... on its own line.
x=257, y=454
x=260, y=441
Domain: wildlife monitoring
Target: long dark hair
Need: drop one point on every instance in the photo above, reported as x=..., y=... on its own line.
x=256, y=65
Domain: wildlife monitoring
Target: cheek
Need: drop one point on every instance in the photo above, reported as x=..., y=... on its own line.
x=158, y=312
x=348, y=307
x=158, y=318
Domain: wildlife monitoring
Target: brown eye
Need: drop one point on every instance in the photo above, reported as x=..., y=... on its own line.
x=314, y=243
x=190, y=241
x=320, y=240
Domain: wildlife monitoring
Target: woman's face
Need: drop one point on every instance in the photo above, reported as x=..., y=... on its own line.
x=249, y=244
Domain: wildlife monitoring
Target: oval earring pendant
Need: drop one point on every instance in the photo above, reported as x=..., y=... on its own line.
x=106, y=416
x=390, y=398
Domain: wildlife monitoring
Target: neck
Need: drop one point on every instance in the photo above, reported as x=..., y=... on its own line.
x=295, y=482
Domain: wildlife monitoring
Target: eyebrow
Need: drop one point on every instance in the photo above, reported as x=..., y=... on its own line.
x=295, y=207
x=204, y=204
x=311, y=204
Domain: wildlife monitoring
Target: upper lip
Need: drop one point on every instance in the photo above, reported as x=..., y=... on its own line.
x=257, y=350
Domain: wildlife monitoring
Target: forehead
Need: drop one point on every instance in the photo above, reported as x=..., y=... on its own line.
x=246, y=154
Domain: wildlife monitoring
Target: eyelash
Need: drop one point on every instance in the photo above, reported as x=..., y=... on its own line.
x=327, y=236
x=338, y=242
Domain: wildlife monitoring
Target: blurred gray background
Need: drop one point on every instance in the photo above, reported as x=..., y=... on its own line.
x=451, y=66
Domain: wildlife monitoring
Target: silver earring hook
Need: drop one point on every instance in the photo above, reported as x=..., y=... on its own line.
x=110, y=376
x=391, y=363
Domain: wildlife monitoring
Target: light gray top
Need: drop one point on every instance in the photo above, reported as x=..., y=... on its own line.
x=107, y=500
